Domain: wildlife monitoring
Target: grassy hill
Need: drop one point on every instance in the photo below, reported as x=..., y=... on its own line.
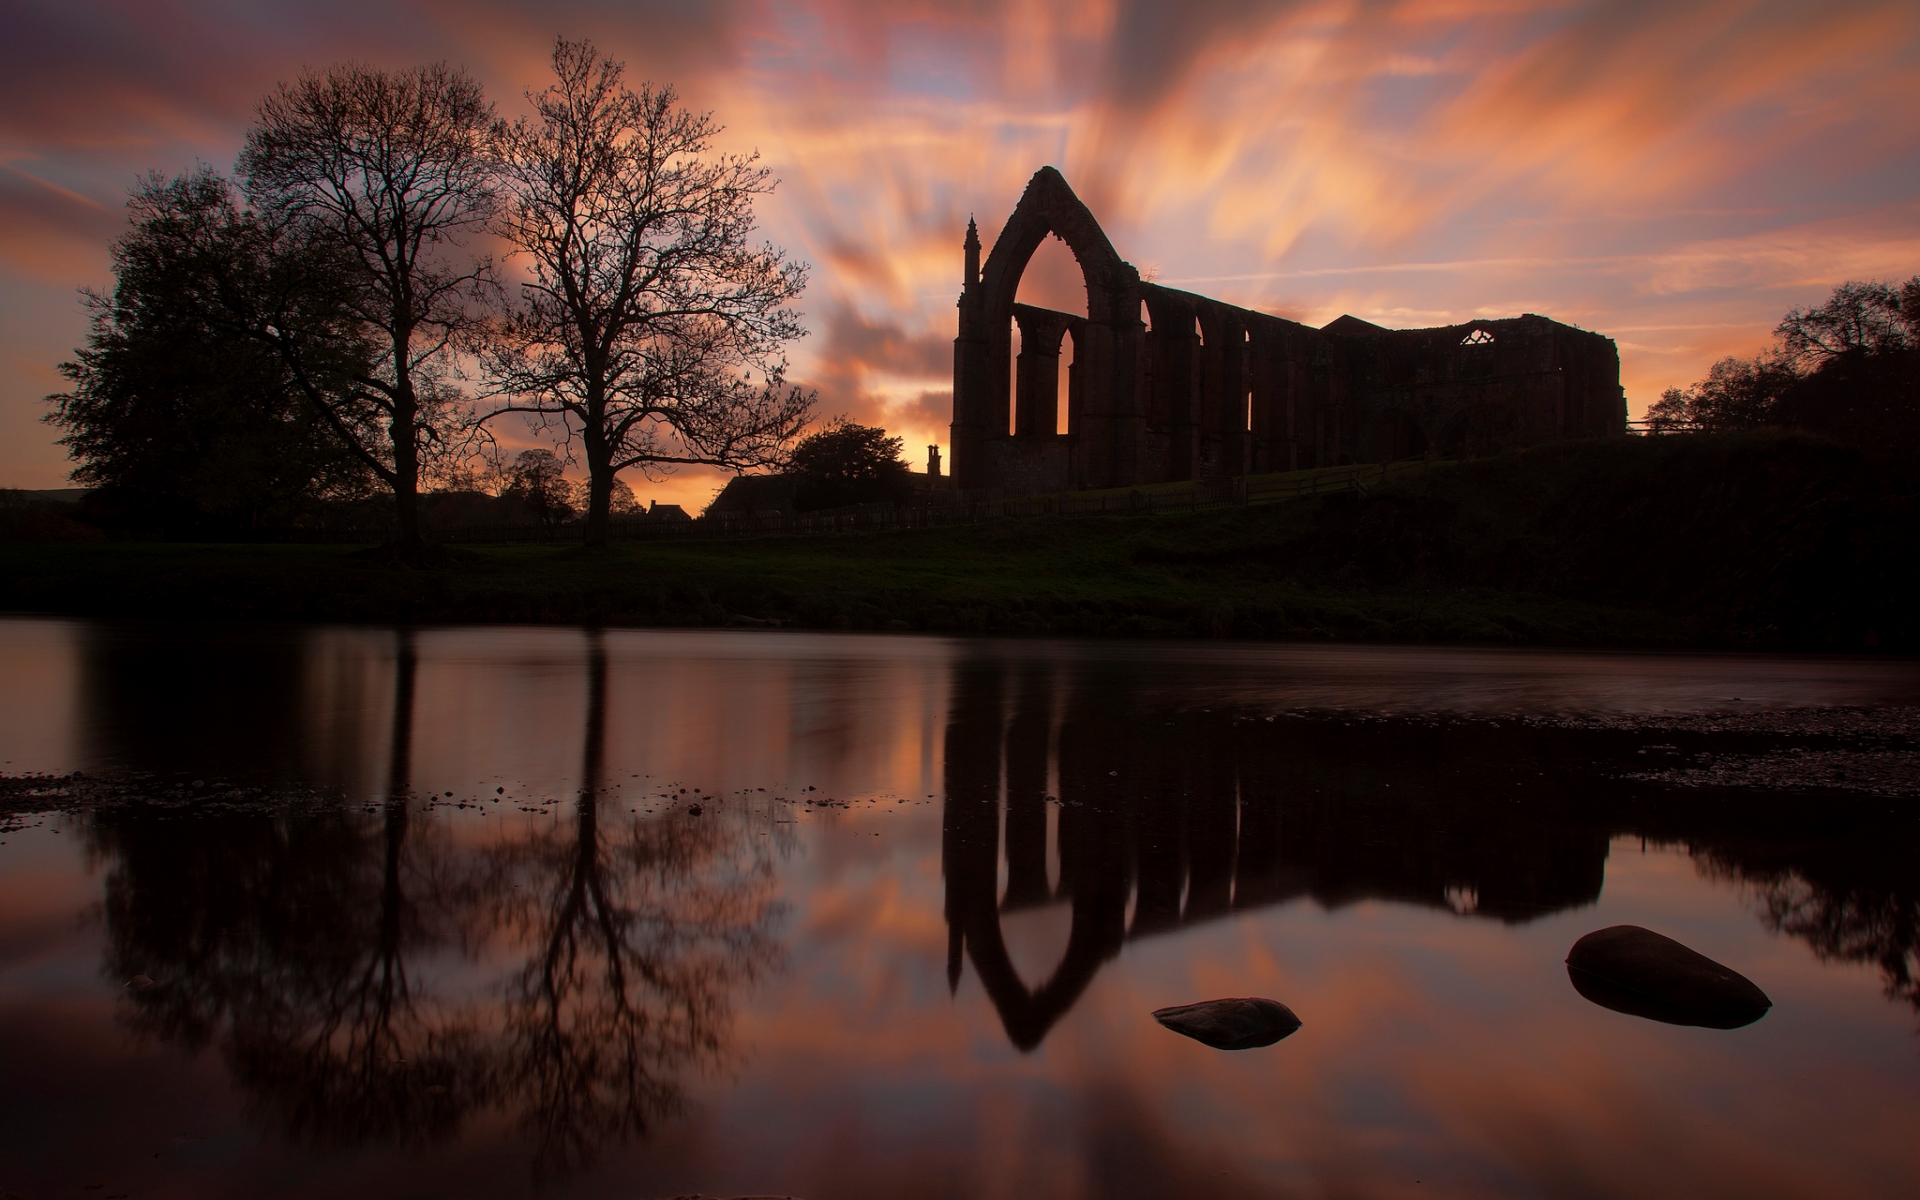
x=1756, y=540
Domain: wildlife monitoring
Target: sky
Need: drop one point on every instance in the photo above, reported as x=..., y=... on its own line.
x=1671, y=173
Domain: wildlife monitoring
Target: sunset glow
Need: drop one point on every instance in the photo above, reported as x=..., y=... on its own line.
x=1674, y=175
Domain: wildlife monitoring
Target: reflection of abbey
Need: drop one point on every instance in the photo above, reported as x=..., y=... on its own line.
x=1165, y=819
x=1167, y=385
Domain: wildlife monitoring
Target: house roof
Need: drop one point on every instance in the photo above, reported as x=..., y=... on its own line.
x=748, y=494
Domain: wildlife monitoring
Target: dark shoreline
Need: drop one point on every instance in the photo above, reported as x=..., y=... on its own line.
x=1758, y=541
x=816, y=584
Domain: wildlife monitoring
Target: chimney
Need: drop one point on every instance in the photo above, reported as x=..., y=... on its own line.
x=933, y=462
x=973, y=253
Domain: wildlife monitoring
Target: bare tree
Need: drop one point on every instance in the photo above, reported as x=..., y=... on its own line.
x=1858, y=319
x=648, y=313
x=390, y=173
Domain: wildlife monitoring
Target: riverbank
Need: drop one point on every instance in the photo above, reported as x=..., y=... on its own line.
x=1754, y=541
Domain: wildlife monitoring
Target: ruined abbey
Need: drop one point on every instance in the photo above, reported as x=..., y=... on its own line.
x=1167, y=385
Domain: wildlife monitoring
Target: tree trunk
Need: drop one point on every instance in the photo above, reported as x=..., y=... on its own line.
x=599, y=485
x=405, y=433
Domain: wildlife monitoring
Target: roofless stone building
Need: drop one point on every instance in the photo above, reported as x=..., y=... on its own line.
x=1168, y=385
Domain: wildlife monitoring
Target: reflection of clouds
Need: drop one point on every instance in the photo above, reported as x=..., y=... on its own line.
x=1437, y=1046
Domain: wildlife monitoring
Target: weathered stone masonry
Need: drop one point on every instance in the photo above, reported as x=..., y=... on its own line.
x=1168, y=385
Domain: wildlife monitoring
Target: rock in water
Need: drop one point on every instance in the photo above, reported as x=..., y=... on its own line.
x=1236, y=1024
x=1639, y=972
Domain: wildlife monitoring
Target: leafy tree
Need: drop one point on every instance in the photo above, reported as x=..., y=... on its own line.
x=648, y=312
x=620, y=503
x=537, y=482
x=180, y=420
x=386, y=175
x=1848, y=368
x=1738, y=393
x=846, y=463
x=27, y=518
x=1860, y=358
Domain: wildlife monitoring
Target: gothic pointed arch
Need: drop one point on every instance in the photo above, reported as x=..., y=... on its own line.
x=1166, y=386
x=987, y=452
x=1048, y=206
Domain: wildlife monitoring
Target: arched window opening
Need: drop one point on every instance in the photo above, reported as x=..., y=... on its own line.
x=1246, y=377
x=1146, y=316
x=1053, y=279
x=1199, y=334
x=1476, y=353
x=1068, y=351
x=1013, y=378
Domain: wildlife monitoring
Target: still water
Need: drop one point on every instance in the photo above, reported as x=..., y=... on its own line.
x=505, y=912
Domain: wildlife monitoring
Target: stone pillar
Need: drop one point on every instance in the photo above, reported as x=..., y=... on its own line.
x=1036, y=401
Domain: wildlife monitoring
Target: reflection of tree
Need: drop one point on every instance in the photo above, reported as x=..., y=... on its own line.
x=225, y=706
x=301, y=954
x=1852, y=925
x=1851, y=898
x=285, y=941
x=373, y=1057
x=640, y=940
x=305, y=946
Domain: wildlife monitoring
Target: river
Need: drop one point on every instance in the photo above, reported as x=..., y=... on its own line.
x=477, y=912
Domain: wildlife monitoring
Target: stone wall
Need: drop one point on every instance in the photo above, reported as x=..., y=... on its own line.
x=1168, y=385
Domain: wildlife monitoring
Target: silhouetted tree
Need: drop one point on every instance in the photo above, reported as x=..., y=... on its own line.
x=621, y=502
x=178, y=418
x=847, y=463
x=1738, y=393
x=1859, y=354
x=536, y=482
x=1848, y=368
x=648, y=312
x=1858, y=319
x=387, y=174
